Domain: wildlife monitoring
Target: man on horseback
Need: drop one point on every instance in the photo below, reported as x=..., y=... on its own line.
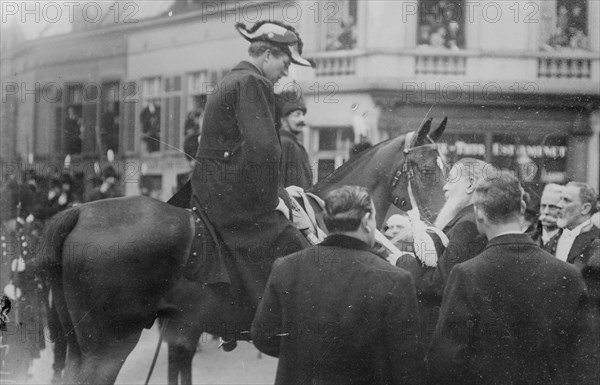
x=236, y=180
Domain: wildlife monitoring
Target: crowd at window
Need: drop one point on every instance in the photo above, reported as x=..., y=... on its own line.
x=341, y=25
x=441, y=24
x=570, y=29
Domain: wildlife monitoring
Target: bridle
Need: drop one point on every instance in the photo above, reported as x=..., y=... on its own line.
x=407, y=175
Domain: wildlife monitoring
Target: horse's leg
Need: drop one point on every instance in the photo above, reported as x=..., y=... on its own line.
x=180, y=364
x=173, y=371
x=73, y=359
x=102, y=360
x=187, y=355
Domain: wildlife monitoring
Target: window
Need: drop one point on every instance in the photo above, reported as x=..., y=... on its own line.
x=332, y=148
x=130, y=97
x=110, y=120
x=199, y=84
x=72, y=124
x=566, y=25
x=172, y=113
x=340, y=23
x=150, y=115
x=441, y=24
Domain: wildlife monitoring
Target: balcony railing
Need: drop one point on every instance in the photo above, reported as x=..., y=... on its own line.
x=572, y=71
x=441, y=63
x=336, y=63
x=563, y=67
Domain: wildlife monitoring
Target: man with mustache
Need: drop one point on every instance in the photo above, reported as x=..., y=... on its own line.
x=513, y=314
x=548, y=232
x=295, y=167
x=457, y=221
x=577, y=204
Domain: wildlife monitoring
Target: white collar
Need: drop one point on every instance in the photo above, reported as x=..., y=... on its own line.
x=509, y=232
x=577, y=230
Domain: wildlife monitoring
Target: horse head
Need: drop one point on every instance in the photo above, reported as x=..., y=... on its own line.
x=389, y=168
x=419, y=178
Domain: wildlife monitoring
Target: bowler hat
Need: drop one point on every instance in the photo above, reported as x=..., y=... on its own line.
x=278, y=34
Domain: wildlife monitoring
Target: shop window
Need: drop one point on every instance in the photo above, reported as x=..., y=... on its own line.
x=150, y=114
x=340, y=20
x=565, y=25
x=453, y=147
x=441, y=24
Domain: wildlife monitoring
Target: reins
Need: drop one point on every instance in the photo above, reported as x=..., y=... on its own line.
x=160, y=339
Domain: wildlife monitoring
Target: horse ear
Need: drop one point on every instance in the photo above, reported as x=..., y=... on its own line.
x=422, y=133
x=437, y=132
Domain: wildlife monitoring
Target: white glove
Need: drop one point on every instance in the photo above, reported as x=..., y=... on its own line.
x=62, y=200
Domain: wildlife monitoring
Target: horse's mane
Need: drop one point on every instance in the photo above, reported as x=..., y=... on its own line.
x=357, y=162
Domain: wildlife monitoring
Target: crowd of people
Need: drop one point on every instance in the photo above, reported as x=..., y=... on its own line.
x=571, y=27
x=499, y=306
x=26, y=206
x=501, y=302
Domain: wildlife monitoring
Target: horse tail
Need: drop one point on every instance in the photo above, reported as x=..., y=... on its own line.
x=55, y=233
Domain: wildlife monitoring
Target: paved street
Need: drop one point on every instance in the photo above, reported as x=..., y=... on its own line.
x=211, y=365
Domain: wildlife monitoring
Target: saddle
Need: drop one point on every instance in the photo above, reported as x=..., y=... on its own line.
x=208, y=261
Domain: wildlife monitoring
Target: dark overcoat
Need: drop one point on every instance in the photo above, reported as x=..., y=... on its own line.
x=515, y=315
x=337, y=314
x=582, y=250
x=235, y=182
x=464, y=243
x=295, y=166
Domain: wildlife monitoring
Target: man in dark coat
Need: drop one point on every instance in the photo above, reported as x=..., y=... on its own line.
x=336, y=313
x=72, y=131
x=513, y=314
x=577, y=204
x=457, y=221
x=295, y=166
x=108, y=189
x=236, y=181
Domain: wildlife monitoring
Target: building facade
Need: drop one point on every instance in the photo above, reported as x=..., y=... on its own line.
x=519, y=81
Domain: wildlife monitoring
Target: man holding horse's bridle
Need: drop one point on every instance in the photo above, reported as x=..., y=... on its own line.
x=235, y=183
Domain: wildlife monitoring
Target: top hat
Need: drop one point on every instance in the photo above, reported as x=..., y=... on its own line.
x=278, y=34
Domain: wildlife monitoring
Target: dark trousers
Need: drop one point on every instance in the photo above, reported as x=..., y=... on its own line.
x=57, y=335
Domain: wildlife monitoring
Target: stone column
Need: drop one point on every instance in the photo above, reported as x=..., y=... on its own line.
x=593, y=152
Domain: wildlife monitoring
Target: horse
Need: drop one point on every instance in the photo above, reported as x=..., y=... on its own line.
x=117, y=265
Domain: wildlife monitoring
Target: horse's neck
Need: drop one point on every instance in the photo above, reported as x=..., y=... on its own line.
x=359, y=176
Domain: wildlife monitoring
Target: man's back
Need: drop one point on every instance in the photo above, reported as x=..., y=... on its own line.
x=351, y=317
x=514, y=314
